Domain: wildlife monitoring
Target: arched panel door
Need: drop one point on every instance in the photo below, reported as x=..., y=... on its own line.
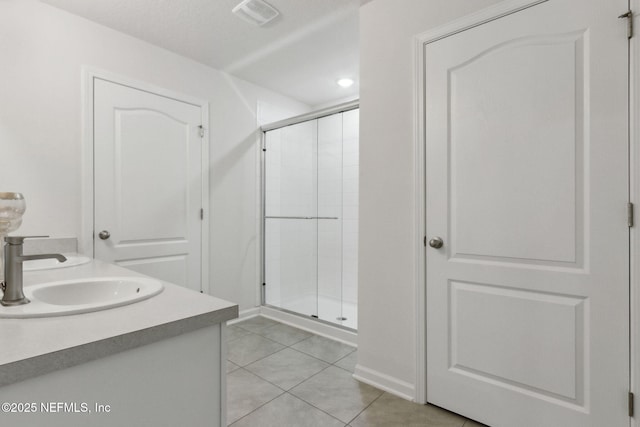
x=148, y=183
x=527, y=186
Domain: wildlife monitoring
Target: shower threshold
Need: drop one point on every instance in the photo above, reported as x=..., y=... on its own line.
x=317, y=326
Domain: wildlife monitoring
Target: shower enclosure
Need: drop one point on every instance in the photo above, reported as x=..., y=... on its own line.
x=310, y=215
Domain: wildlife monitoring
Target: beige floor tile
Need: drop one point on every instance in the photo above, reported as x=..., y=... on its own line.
x=250, y=348
x=231, y=367
x=247, y=392
x=256, y=324
x=287, y=368
x=392, y=411
x=323, y=348
x=348, y=362
x=288, y=411
x=336, y=392
x=284, y=334
x=234, y=332
x=319, y=394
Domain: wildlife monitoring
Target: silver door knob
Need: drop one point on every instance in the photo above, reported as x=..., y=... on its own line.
x=104, y=234
x=436, y=242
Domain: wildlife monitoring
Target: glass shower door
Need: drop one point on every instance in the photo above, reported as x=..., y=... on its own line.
x=311, y=218
x=350, y=210
x=330, y=218
x=291, y=224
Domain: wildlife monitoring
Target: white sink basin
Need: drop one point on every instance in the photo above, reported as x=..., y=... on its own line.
x=82, y=296
x=49, y=263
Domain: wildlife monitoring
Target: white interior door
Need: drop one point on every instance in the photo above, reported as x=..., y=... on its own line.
x=148, y=183
x=527, y=185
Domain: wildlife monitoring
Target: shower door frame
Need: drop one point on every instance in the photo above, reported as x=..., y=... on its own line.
x=314, y=115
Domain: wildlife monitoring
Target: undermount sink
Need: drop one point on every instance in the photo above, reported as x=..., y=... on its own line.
x=50, y=263
x=82, y=295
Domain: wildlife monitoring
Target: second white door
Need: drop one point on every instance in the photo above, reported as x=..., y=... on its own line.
x=148, y=183
x=527, y=187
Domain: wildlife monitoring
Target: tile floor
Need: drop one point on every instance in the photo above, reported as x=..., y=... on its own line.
x=285, y=377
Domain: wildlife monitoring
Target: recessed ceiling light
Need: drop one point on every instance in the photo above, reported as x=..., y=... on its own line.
x=256, y=12
x=345, y=82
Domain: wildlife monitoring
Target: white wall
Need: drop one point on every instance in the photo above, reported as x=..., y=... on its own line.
x=387, y=242
x=43, y=50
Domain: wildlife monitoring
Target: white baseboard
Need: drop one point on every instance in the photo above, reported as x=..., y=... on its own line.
x=384, y=382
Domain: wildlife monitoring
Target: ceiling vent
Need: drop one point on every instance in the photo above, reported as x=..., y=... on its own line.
x=255, y=12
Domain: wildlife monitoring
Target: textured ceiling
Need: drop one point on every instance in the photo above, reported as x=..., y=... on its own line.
x=300, y=53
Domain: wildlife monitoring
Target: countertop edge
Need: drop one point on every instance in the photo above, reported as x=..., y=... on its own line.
x=46, y=363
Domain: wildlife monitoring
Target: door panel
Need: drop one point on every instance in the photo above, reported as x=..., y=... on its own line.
x=291, y=225
x=330, y=206
x=148, y=182
x=535, y=321
x=139, y=134
x=489, y=204
x=526, y=148
x=173, y=269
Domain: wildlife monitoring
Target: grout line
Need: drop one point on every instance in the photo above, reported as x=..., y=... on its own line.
x=307, y=379
x=266, y=380
x=264, y=357
x=276, y=385
x=340, y=367
x=329, y=364
x=266, y=403
x=284, y=346
x=286, y=392
x=297, y=342
x=314, y=406
x=342, y=358
x=309, y=403
x=320, y=409
x=292, y=344
x=271, y=326
x=315, y=357
x=367, y=407
x=311, y=355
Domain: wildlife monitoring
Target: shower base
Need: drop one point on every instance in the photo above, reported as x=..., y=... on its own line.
x=307, y=323
x=323, y=308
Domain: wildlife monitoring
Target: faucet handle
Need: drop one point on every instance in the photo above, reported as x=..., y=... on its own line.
x=18, y=240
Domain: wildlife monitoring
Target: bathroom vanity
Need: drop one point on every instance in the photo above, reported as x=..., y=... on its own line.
x=156, y=362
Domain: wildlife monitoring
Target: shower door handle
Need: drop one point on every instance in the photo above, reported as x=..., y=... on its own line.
x=301, y=217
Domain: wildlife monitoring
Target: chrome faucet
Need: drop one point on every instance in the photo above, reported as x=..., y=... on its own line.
x=13, y=259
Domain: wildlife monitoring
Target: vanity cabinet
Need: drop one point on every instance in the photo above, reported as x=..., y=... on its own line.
x=158, y=362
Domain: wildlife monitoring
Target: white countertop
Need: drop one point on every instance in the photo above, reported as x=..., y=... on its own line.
x=35, y=346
